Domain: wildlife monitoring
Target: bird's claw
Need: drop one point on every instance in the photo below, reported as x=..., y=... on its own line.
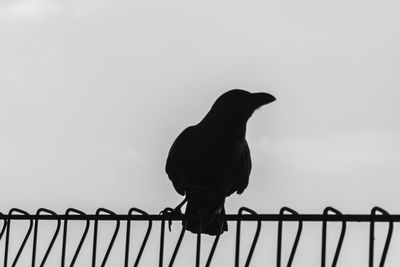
x=171, y=212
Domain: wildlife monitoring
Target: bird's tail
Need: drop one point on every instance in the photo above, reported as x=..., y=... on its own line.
x=209, y=211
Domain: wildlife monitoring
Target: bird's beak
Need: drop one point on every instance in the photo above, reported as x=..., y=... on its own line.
x=260, y=99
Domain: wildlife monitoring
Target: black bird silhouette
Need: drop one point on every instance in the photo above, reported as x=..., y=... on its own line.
x=211, y=160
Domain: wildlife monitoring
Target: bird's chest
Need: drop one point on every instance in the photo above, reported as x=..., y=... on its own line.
x=215, y=154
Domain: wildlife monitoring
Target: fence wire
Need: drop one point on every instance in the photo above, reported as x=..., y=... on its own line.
x=134, y=214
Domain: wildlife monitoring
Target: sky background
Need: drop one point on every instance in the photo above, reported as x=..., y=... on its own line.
x=93, y=93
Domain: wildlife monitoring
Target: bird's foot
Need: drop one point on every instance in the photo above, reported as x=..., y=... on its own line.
x=171, y=212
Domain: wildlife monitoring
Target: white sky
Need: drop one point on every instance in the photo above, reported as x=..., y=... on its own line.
x=93, y=93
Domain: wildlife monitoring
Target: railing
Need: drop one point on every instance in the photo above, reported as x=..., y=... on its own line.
x=245, y=214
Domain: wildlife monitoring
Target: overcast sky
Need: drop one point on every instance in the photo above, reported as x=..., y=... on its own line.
x=94, y=92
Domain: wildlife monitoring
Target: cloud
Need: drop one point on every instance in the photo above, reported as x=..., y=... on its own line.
x=82, y=7
x=29, y=9
x=40, y=9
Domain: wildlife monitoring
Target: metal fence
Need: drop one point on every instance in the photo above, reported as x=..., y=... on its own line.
x=244, y=214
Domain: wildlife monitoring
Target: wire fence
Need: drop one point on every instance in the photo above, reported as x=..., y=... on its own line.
x=244, y=214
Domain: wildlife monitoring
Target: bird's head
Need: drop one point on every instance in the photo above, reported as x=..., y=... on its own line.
x=238, y=105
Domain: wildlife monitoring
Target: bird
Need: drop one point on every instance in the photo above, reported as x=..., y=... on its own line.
x=211, y=160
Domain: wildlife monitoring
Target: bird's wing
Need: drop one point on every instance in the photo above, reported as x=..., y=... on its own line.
x=243, y=169
x=174, y=161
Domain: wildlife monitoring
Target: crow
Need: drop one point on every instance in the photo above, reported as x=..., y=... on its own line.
x=211, y=160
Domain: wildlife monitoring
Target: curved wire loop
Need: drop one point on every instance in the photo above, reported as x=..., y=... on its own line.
x=372, y=236
x=212, y=251
x=255, y=239
x=128, y=232
x=178, y=244
x=341, y=237
x=96, y=222
x=296, y=241
x=8, y=237
x=64, y=241
x=3, y=229
x=167, y=213
x=179, y=241
x=53, y=239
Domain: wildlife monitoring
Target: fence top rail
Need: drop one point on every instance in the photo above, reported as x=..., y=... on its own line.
x=228, y=217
